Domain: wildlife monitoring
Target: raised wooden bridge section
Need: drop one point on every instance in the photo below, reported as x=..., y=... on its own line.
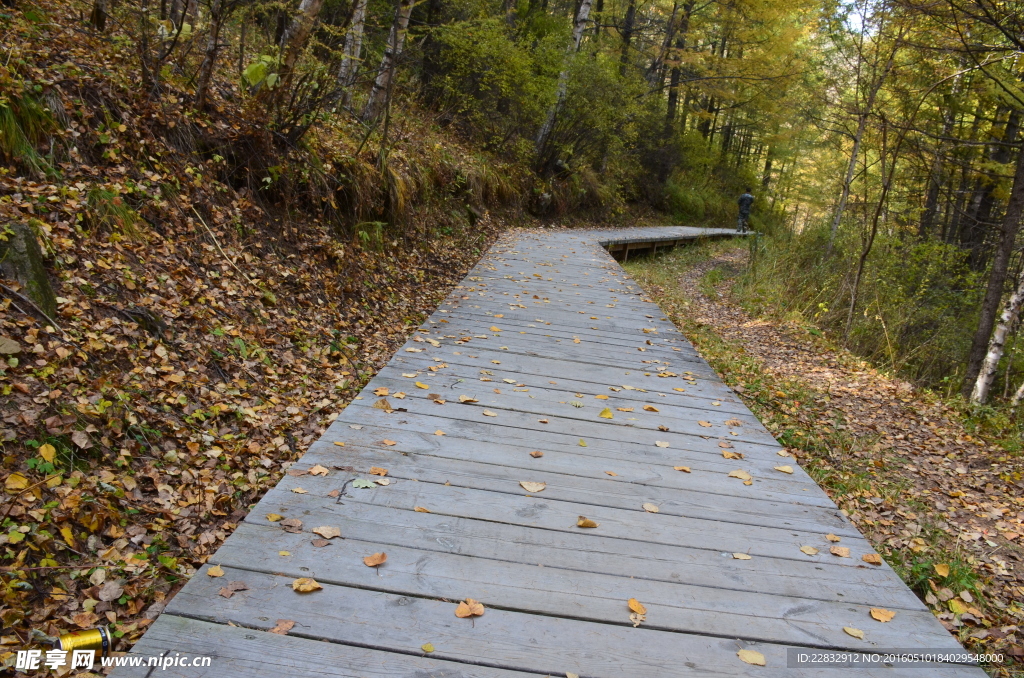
x=548, y=364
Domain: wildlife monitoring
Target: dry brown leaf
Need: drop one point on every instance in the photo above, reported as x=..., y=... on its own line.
x=731, y=455
x=583, y=521
x=299, y=490
x=305, y=585
x=881, y=614
x=327, y=532
x=684, y=469
x=751, y=657
x=724, y=444
x=232, y=588
x=872, y=558
x=389, y=443
x=375, y=560
x=320, y=543
x=378, y=471
x=532, y=486
x=543, y=421
x=318, y=470
x=651, y=408
x=833, y=538
x=650, y=508
x=215, y=571
x=733, y=422
x=809, y=550
x=420, y=509
x=467, y=399
x=469, y=608
x=611, y=473
x=784, y=469
x=705, y=424
x=738, y=473
x=438, y=432
x=636, y=606
x=840, y=551
x=283, y=627
x=293, y=525
x=536, y=453
x=856, y=633
x=383, y=404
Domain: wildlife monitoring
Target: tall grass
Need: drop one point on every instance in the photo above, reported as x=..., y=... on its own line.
x=917, y=306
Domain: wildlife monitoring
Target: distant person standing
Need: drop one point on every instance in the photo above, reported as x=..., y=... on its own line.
x=745, y=202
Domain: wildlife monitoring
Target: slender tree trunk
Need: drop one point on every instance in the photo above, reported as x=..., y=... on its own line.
x=98, y=18
x=352, y=49
x=217, y=15
x=563, y=79
x=294, y=39
x=847, y=182
x=979, y=395
x=997, y=277
x=627, y=36
x=396, y=42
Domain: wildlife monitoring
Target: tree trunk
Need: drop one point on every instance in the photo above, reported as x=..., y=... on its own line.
x=294, y=39
x=979, y=395
x=627, y=36
x=217, y=15
x=997, y=278
x=563, y=79
x=676, y=74
x=396, y=41
x=352, y=49
x=98, y=18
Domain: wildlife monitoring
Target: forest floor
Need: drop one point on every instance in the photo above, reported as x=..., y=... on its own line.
x=945, y=508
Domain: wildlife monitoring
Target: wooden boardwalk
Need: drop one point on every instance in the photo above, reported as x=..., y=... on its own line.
x=544, y=334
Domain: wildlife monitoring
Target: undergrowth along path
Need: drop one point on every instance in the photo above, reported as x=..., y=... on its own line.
x=545, y=479
x=941, y=504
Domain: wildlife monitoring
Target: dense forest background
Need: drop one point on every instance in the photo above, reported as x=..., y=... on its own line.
x=882, y=138
x=244, y=206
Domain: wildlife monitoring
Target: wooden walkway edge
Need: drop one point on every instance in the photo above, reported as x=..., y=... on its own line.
x=547, y=347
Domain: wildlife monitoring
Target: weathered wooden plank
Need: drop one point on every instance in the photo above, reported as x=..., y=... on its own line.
x=427, y=532
x=588, y=596
x=237, y=652
x=503, y=638
x=589, y=485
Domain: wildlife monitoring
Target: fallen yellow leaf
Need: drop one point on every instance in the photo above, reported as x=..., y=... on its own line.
x=583, y=521
x=284, y=554
x=624, y=409
x=536, y=453
x=601, y=397
x=841, y=551
x=339, y=444
x=941, y=569
x=661, y=443
x=305, y=585
x=606, y=413
x=469, y=608
x=427, y=647
x=420, y=384
x=751, y=657
x=881, y=614
x=378, y=471
x=684, y=469
x=16, y=482
x=705, y=424
x=651, y=408
x=741, y=556
x=299, y=490
x=327, y=532
x=488, y=413
x=856, y=633
x=833, y=538
x=742, y=475
x=215, y=571
x=273, y=517
x=420, y=509
x=809, y=550
x=375, y=560
x=532, y=486
x=784, y=469
x=389, y=443
x=636, y=606
x=872, y=558
x=438, y=432
x=47, y=452
x=650, y=508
